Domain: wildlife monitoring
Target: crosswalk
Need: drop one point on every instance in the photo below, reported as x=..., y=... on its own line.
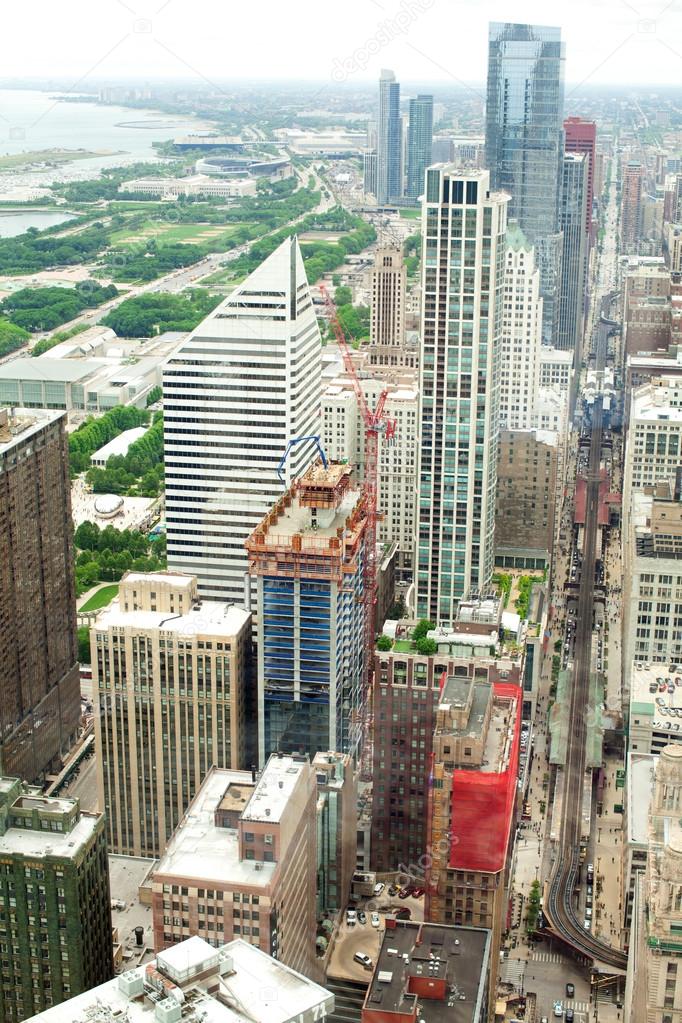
x=547, y=957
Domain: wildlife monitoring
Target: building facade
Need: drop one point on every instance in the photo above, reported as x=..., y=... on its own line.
x=255, y=876
x=337, y=798
x=388, y=287
x=631, y=206
x=572, y=214
x=655, y=432
x=580, y=136
x=308, y=557
x=406, y=694
x=246, y=381
x=419, y=144
x=524, y=141
x=521, y=333
x=389, y=176
x=526, y=495
x=464, y=226
x=40, y=708
x=54, y=900
x=169, y=677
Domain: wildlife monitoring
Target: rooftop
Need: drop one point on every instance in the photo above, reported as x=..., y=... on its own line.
x=17, y=424
x=446, y=966
x=199, y=849
x=274, y=788
x=663, y=708
x=248, y=986
x=209, y=618
x=119, y=445
x=65, y=845
x=640, y=787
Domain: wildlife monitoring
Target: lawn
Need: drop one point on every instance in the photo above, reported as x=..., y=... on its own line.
x=403, y=646
x=410, y=213
x=172, y=233
x=103, y=596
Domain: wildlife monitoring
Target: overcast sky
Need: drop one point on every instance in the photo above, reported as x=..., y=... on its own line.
x=608, y=41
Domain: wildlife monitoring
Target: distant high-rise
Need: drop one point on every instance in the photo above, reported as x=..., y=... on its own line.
x=521, y=333
x=462, y=287
x=388, y=287
x=246, y=381
x=389, y=140
x=40, y=707
x=574, y=254
x=631, y=206
x=55, y=903
x=524, y=140
x=581, y=137
x=419, y=143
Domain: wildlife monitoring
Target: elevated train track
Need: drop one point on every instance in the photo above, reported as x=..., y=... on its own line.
x=559, y=903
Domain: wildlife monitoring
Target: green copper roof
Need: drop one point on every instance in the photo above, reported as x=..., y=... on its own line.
x=516, y=239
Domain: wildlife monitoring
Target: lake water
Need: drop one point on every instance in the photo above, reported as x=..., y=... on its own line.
x=14, y=222
x=31, y=120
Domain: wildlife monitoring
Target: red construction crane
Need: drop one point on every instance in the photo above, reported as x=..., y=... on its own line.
x=376, y=423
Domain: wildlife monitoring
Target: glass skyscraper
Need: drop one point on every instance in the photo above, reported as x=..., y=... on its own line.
x=463, y=273
x=524, y=140
x=574, y=260
x=419, y=143
x=389, y=174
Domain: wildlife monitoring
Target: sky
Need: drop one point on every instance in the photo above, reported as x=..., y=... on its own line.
x=207, y=41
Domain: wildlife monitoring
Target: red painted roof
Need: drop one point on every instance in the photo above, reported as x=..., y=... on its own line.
x=483, y=805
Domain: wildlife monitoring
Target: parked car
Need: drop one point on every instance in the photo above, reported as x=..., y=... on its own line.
x=351, y=917
x=376, y=921
x=569, y=1016
x=362, y=917
x=379, y=887
x=404, y=893
x=418, y=892
x=403, y=913
x=570, y=990
x=393, y=890
x=558, y=1009
x=363, y=959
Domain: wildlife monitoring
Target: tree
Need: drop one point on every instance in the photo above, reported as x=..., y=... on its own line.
x=343, y=295
x=11, y=337
x=84, y=644
x=398, y=608
x=384, y=643
x=426, y=646
x=422, y=627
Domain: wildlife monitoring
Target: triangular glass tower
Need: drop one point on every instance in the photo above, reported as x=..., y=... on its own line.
x=245, y=382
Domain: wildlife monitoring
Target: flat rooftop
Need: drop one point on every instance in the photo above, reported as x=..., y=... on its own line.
x=119, y=445
x=23, y=423
x=65, y=845
x=253, y=989
x=274, y=789
x=640, y=788
x=456, y=956
x=212, y=618
x=198, y=849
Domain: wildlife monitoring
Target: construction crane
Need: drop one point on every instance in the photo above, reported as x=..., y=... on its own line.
x=292, y=444
x=376, y=423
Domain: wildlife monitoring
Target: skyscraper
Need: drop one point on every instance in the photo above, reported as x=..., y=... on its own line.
x=178, y=668
x=581, y=137
x=389, y=178
x=524, y=140
x=388, y=285
x=246, y=381
x=464, y=226
x=574, y=253
x=308, y=555
x=631, y=206
x=40, y=706
x=55, y=903
x=419, y=142
x=521, y=333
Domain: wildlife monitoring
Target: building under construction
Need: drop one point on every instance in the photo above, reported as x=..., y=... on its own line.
x=308, y=556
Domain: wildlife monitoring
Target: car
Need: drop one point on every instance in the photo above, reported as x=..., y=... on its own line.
x=588, y=912
x=375, y=920
x=393, y=890
x=362, y=917
x=569, y=1017
x=587, y=925
x=363, y=959
x=351, y=918
x=544, y=1020
x=379, y=887
x=418, y=892
x=558, y=1009
x=404, y=893
x=403, y=913
x=570, y=990
x=588, y=900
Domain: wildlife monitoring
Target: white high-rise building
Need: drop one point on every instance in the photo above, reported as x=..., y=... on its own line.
x=521, y=333
x=246, y=381
x=463, y=231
